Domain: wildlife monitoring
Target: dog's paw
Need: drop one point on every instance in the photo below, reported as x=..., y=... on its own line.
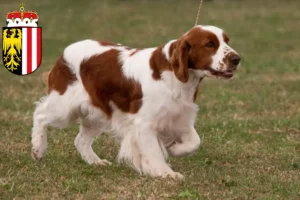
x=95, y=160
x=101, y=162
x=37, y=154
x=167, y=173
x=173, y=175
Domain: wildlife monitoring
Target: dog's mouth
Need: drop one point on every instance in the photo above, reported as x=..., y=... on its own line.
x=219, y=74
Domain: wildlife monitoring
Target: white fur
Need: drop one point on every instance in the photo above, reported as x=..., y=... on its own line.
x=163, y=125
x=166, y=49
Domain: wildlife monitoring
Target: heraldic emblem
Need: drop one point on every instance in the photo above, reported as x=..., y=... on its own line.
x=22, y=42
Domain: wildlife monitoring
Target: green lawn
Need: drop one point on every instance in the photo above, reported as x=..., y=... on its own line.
x=249, y=126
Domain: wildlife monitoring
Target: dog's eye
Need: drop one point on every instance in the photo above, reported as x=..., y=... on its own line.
x=210, y=44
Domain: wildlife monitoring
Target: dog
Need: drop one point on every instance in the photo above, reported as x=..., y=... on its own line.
x=144, y=97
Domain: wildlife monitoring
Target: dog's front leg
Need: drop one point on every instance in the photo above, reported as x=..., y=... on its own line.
x=188, y=142
x=152, y=158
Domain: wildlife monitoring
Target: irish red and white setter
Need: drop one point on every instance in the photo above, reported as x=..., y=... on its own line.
x=144, y=97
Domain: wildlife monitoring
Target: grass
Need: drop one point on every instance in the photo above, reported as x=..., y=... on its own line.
x=249, y=125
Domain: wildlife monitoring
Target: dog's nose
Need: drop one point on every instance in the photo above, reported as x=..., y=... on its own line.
x=235, y=60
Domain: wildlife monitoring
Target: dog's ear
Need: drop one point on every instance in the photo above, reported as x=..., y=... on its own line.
x=179, y=60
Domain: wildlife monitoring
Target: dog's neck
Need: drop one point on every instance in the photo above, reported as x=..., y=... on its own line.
x=162, y=69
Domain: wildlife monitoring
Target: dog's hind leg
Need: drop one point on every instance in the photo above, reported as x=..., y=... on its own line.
x=84, y=140
x=50, y=111
x=39, y=132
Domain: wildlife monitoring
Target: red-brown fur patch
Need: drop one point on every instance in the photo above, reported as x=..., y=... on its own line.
x=60, y=77
x=105, y=82
x=159, y=63
x=172, y=48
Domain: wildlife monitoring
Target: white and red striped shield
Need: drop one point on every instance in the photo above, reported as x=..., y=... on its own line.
x=22, y=49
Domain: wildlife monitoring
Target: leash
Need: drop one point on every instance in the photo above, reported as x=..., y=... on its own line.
x=200, y=6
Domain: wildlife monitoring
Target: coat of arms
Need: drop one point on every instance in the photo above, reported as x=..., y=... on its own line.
x=22, y=42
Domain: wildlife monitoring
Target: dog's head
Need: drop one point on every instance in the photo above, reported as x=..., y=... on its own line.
x=205, y=50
